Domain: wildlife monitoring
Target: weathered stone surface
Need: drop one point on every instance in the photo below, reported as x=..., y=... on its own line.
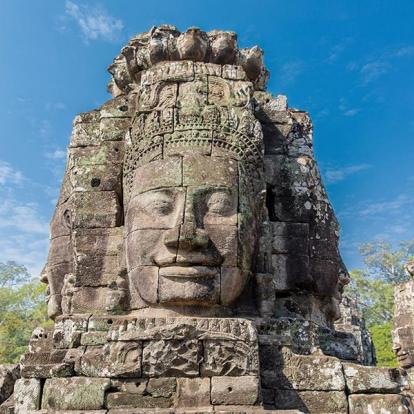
x=304, y=372
x=68, y=331
x=124, y=399
x=234, y=390
x=171, y=358
x=46, y=364
x=352, y=321
x=9, y=373
x=116, y=359
x=96, y=209
x=229, y=359
x=161, y=387
x=361, y=379
x=379, y=403
x=315, y=402
x=403, y=332
x=27, y=395
x=7, y=407
x=193, y=392
x=180, y=328
x=75, y=393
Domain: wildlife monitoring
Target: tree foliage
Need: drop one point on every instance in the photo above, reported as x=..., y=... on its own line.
x=22, y=308
x=374, y=296
x=382, y=338
x=373, y=289
x=387, y=263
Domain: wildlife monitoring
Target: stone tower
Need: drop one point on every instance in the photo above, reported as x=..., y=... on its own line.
x=194, y=263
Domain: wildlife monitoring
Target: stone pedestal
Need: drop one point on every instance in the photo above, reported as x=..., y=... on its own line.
x=100, y=362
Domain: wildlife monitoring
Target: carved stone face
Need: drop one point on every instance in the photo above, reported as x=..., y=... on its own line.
x=189, y=234
x=403, y=346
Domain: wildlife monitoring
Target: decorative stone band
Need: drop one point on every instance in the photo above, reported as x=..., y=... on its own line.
x=166, y=44
x=209, y=139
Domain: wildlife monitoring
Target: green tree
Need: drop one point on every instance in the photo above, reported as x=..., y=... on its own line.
x=373, y=289
x=374, y=296
x=385, y=262
x=382, y=338
x=22, y=308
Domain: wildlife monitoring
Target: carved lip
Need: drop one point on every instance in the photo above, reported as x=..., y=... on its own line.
x=189, y=272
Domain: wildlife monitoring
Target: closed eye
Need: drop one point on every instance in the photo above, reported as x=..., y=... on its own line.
x=160, y=204
x=220, y=203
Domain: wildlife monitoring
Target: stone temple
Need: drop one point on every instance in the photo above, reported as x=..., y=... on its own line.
x=193, y=263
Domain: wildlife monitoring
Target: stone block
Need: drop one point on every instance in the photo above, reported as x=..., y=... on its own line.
x=171, y=358
x=184, y=328
x=366, y=380
x=113, y=129
x=235, y=390
x=315, y=402
x=206, y=290
x=94, y=338
x=90, y=299
x=9, y=373
x=76, y=393
x=158, y=174
x=325, y=274
x=101, y=177
x=107, y=153
x=202, y=171
x=291, y=272
x=68, y=331
x=27, y=394
x=161, y=387
x=94, y=209
x=156, y=209
x=290, y=238
x=7, y=407
x=233, y=72
x=45, y=364
x=193, y=392
x=101, y=241
x=60, y=250
x=85, y=133
x=229, y=358
x=379, y=404
x=116, y=359
x=124, y=399
x=96, y=270
x=305, y=373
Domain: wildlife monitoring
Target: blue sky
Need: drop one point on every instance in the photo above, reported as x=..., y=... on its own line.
x=349, y=63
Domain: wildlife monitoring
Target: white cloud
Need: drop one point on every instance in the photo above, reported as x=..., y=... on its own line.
x=23, y=217
x=389, y=206
x=404, y=51
x=57, y=106
x=351, y=112
x=9, y=175
x=334, y=175
x=26, y=250
x=291, y=70
x=94, y=22
x=58, y=154
x=373, y=70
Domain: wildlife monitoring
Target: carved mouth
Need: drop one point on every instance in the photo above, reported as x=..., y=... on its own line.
x=189, y=272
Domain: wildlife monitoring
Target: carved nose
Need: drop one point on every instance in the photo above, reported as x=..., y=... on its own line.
x=189, y=237
x=192, y=238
